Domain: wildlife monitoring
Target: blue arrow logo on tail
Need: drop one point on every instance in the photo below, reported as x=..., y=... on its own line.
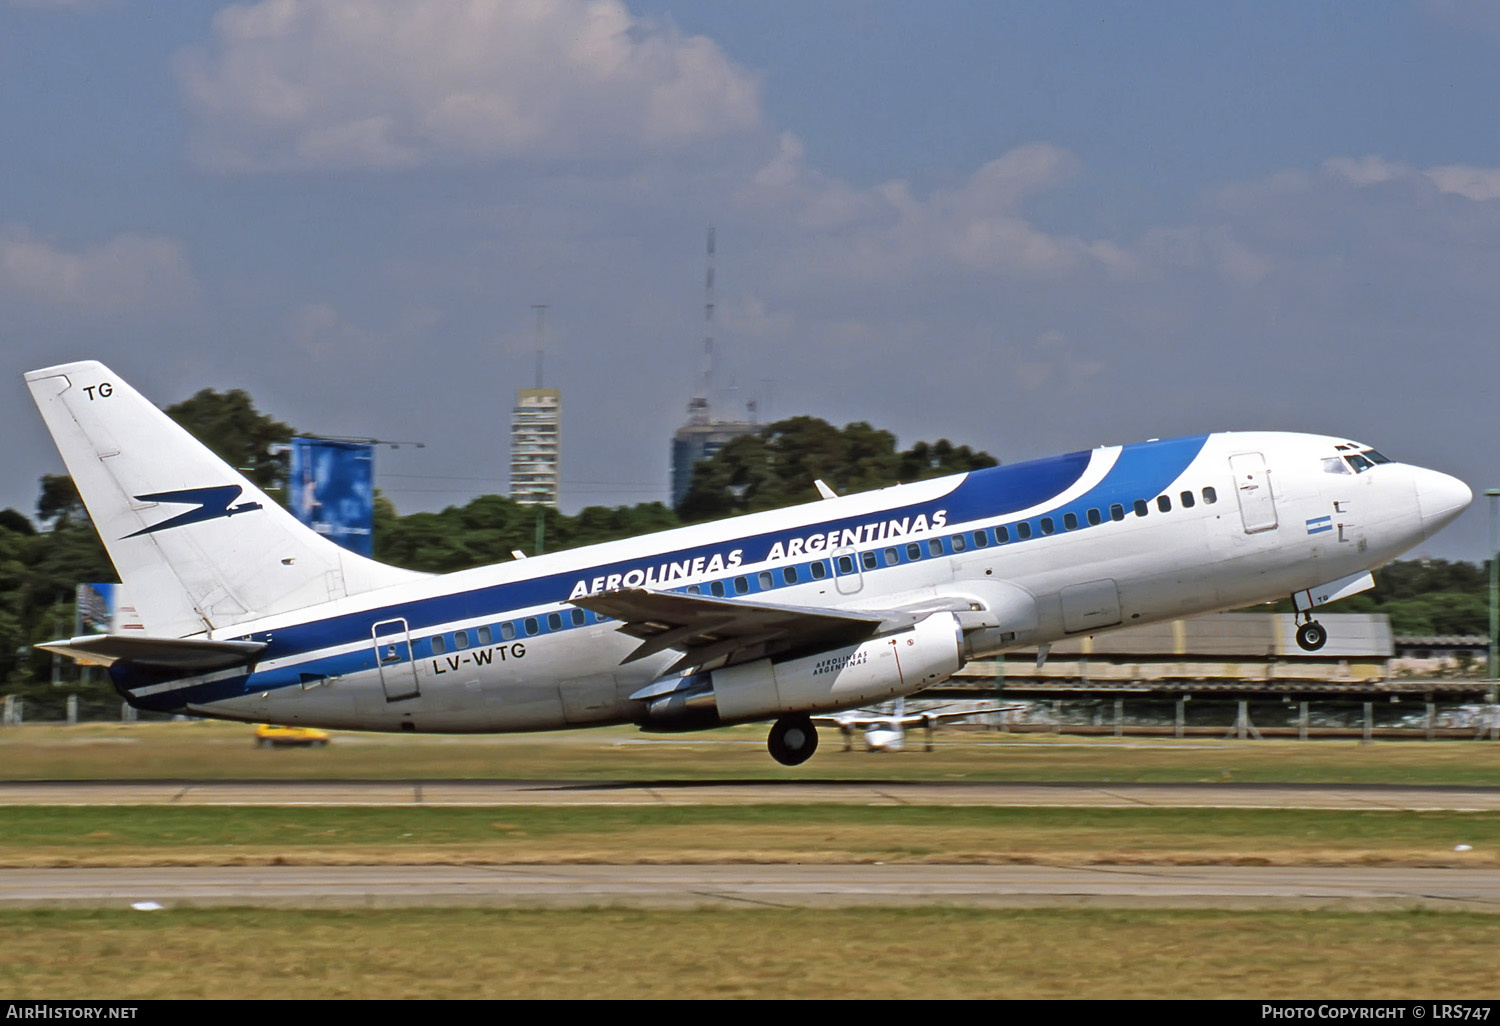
x=211, y=503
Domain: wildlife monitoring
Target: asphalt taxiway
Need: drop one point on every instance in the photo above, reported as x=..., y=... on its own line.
x=735, y=885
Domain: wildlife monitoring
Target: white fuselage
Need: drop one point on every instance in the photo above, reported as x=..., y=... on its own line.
x=1033, y=553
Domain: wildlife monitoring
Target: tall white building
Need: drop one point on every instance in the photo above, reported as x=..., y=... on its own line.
x=535, y=434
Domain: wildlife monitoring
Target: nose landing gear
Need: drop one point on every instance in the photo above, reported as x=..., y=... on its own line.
x=1311, y=635
x=793, y=740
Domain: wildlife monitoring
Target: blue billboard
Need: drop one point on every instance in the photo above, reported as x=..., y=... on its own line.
x=332, y=490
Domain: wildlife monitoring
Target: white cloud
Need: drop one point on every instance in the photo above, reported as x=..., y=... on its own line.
x=292, y=84
x=1479, y=184
x=129, y=273
x=1369, y=170
x=1050, y=361
x=1476, y=183
x=1216, y=248
x=886, y=231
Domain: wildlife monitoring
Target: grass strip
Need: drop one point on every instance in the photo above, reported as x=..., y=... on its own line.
x=752, y=953
x=219, y=751
x=231, y=835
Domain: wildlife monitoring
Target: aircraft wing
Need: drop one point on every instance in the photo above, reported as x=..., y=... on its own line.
x=861, y=719
x=704, y=629
x=954, y=714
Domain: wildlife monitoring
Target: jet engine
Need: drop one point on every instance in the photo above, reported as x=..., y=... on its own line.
x=884, y=667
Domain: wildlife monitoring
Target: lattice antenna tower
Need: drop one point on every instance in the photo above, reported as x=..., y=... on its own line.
x=708, y=321
x=541, y=338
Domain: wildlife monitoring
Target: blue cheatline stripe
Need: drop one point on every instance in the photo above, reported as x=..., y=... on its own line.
x=1140, y=471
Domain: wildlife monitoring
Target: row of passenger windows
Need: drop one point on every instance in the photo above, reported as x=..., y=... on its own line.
x=841, y=565
x=509, y=631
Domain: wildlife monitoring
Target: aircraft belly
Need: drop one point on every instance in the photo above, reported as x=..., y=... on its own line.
x=590, y=699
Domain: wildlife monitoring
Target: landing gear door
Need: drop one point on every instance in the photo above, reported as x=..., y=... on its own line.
x=1252, y=486
x=398, y=674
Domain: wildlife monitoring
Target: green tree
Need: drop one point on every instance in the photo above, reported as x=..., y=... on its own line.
x=239, y=434
x=60, y=504
x=1424, y=596
x=777, y=466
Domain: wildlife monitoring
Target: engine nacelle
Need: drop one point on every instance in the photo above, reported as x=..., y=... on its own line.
x=873, y=671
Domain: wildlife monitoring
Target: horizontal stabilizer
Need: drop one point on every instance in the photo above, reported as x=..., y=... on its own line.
x=186, y=654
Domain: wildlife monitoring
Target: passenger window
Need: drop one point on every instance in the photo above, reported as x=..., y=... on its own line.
x=578, y=618
x=741, y=585
x=531, y=626
x=1095, y=517
x=846, y=565
x=934, y=547
x=1164, y=503
x=767, y=582
x=1209, y=495
x=554, y=621
x=892, y=557
x=819, y=570
x=958, y=543
x=1116, y=511
x=1047, y=525
x=1023, y=530
x=507, y=631
x=484, y=635
x=914, y=551
x=870, y=560
x=1187, y=500
x=981, y=539
x=1141, y=509
x=717, y=587
x=461, y=640
x=789, y=575
x=438, y=646
x=1070, y=521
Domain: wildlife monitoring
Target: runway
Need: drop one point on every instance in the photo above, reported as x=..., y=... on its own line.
x=748, y=886
x=762, y=792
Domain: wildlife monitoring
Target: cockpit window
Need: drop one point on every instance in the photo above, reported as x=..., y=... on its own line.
x=1334, y=465
x=1359, y=463
x=1375, y=457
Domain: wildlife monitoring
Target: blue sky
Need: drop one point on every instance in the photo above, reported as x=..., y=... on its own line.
x=1028, y=227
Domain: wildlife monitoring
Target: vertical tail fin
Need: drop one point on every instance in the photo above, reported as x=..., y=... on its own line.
x=196, y=544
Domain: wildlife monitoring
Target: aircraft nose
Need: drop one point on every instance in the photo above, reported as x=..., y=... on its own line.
x=1440, y=498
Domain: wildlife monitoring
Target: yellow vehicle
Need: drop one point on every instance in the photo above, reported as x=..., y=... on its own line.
x=268, y=735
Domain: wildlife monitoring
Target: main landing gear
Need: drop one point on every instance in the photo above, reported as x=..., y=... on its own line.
x=1311, y=635
x=793, y=740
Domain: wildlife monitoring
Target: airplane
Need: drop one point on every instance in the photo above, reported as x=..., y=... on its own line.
x=885, y=729
x=833, y=604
